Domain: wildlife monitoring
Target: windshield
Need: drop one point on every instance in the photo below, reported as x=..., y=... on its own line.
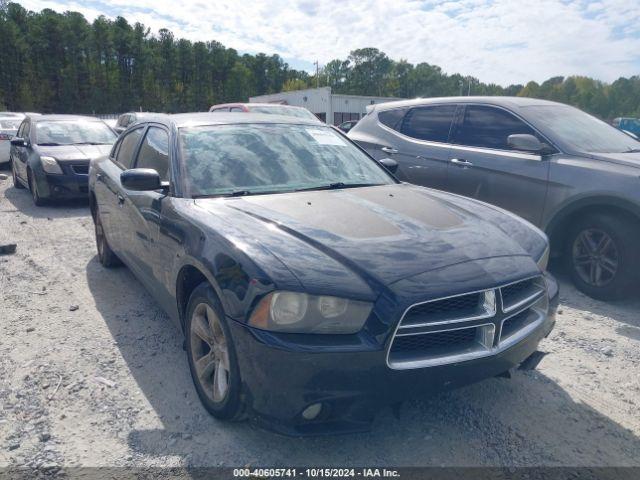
x=74, y=132
x=10, y=123
x=272, y=158
x=284, y=110
x=579, y=130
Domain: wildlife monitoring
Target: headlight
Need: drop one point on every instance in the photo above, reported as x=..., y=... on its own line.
x=294, y=312
x=50, y=165
x=543, y=261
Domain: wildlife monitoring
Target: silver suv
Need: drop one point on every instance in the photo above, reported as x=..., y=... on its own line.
x=563, y=170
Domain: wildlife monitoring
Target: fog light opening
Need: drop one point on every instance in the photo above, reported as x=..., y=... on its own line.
x=312, y=411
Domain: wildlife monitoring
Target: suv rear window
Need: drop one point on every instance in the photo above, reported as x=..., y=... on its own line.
x=429, y=123
x=392, y=118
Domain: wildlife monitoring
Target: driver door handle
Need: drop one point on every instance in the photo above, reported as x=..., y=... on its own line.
x=389, y=150
x=120, y=200
x=461, y=162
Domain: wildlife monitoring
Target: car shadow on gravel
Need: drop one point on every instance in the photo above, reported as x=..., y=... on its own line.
x=19, y=200
x=528, y=420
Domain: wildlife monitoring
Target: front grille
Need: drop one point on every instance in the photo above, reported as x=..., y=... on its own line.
x=461, y=306
x=467, y=326
x=460, y=338
x=80, y=169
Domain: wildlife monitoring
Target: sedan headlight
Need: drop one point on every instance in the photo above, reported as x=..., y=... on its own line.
x=294, y=312
x=543, y=261
x=50, y=165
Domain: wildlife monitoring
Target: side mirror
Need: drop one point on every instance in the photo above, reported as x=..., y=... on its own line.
x=18, y=141
x=141, y=179
x=389, y=163
x=526, y=143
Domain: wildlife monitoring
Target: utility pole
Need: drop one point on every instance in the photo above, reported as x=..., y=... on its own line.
x=469, y=90
x=317, y=64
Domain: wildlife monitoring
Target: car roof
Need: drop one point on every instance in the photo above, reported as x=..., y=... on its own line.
x=254, y=104
x=222, y=118
x=509, y=102
x=60, y=118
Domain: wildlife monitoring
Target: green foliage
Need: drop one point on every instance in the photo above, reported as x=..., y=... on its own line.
x=59, y=62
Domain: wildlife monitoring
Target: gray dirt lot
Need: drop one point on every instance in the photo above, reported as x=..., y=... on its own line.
x=108, y=383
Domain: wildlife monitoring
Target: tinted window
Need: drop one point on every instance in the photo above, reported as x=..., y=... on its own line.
x=154, y=152
x=489, y=127
x=236, y=109
x=128, y=147
x=429, y=123
x=392, y=118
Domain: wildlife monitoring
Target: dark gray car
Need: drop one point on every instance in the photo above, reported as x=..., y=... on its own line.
x=563, y=170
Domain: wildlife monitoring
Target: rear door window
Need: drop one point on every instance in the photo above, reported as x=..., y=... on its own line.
x=154, y=152
x=127, y=148
x=489, y=127
x=431, y=123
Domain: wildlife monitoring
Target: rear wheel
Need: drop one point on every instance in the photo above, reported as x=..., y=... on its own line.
x=602, y=259
x=106, y=256
x=211, y=354
x=14, y=175
x=33, y=187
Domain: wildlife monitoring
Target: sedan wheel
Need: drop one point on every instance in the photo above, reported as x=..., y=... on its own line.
x=16, y=182
x=209, y=353
x=106, y=256
x=33, y=186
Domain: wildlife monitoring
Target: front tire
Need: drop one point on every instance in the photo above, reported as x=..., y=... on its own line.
x=16, y=182
x=33, y=187
x=211, y=355
x=107, y=257
x=602, y=259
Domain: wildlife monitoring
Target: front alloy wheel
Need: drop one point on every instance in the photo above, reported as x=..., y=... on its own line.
x=106, y=256
x=14, y=175
x=33, y=187
x=602, y=258
x=211, y=355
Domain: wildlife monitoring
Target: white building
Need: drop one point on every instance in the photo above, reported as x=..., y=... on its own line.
x=329, y=107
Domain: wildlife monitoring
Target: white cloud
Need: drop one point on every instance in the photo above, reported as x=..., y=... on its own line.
x=502, y=41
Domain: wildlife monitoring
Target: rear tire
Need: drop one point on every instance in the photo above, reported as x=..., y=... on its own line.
x=107, y=257
x=601, y=257
x=16, y=182
x=212, y=356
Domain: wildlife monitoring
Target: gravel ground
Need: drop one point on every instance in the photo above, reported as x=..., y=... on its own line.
x=92, y=373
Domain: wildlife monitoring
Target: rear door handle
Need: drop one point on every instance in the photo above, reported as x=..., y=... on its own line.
x=120, y=200
x=389, y=150
x=461, y=162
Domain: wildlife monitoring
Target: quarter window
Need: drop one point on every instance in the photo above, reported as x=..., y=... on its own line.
x=392, y=118
x=489, y=127
x=128, y=148
x=429, y=123
x=154, y=152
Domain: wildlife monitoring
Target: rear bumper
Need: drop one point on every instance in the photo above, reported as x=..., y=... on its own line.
x=279, y=383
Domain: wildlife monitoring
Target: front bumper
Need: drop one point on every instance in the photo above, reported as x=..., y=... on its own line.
x=69, y=185
x=279, y=383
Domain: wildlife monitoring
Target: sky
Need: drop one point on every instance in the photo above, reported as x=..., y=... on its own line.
x=499, y=41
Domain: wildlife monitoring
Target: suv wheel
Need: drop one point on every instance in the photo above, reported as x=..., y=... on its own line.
x=211, y=354
x=106, y=256
x=601, y=256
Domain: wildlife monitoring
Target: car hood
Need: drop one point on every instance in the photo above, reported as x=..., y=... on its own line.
x=377, y=234
x=75, y=152
x=628, y=159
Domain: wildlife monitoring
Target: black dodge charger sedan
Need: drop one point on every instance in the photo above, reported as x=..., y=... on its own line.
x=313, y=287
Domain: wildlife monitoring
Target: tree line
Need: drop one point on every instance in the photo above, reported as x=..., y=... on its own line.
x=60, y=62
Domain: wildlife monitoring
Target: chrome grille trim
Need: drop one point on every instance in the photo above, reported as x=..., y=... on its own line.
x=535, y=301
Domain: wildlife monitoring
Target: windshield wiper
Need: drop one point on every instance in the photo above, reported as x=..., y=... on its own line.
x=633, y=150
x=235, y=193
x=337, y=185
x=50, y=144
x=90, y=143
